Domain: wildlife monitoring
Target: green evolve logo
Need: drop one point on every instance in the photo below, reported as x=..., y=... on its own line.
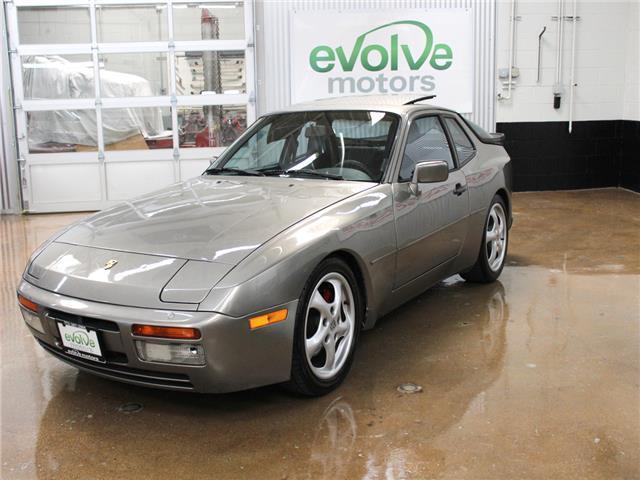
x=376, y=57
x=80, y=338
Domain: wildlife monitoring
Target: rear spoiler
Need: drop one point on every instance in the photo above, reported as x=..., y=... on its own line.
x=494, y=138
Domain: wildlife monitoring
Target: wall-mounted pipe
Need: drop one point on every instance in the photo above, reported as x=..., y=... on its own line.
x=557, y=87
x=572, y=81
x=512, y=36
x=544, y=29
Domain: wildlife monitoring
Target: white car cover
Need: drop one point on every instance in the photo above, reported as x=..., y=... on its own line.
x=49, y=77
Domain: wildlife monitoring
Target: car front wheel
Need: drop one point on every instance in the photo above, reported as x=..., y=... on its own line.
x=328, y=323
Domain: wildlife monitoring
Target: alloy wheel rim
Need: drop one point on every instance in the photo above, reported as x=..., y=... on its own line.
x=496, y=237
x=329, y=326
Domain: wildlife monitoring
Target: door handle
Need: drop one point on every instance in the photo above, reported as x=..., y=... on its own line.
x=460, y=189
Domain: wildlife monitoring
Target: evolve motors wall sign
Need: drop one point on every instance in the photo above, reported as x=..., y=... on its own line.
x=336, y=53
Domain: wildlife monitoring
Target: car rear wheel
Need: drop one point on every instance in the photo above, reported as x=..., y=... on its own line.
x=493, y=250
x=328, y=323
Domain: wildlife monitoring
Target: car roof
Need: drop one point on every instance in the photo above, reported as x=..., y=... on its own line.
x=395, y=103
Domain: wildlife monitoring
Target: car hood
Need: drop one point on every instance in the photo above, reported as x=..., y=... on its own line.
x=211, y=218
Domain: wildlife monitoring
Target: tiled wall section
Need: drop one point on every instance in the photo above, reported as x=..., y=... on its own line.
x=607, y=61
x=596, y=154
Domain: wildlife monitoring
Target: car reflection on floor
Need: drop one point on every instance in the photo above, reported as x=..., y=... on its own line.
x=365, y=428
x=341, y=441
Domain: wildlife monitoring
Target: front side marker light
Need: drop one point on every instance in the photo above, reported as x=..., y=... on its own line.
x=268, y=319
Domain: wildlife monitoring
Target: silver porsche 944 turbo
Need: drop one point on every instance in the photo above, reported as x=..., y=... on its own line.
x=314, y=223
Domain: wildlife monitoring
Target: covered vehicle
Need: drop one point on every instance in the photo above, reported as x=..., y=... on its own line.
x=265, y=269
x=55, y=77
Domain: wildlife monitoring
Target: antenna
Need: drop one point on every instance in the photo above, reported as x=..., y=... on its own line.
x=419, y=99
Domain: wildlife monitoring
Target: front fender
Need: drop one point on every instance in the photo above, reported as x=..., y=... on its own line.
x=361, y=226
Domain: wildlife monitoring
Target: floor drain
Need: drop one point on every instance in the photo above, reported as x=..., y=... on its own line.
x=409, y=388
x=130, y=407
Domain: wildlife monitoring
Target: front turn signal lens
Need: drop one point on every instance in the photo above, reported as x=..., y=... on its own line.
x=268, y=319
x=180, y=333
x=28, y=304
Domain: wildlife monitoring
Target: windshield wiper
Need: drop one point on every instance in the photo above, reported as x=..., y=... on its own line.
x=303, y=171
x=308, y=171
x=237, y=171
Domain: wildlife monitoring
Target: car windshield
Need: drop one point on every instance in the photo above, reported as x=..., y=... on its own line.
x=340, y=145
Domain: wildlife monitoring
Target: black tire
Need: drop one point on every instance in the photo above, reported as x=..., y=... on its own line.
x=481, y=272
x=303, y=380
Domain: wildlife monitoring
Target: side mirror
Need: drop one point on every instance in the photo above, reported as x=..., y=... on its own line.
x=429, y=172
x=213, y=161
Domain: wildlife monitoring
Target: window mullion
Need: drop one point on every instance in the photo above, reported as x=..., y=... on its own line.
x=171, y=59
x=249, y=60
x=98, y=99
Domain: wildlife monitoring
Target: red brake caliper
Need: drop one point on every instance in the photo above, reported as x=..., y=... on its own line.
x=327, y=294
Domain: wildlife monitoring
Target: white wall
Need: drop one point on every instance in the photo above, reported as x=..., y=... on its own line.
x=631, y=109
x=606, y=61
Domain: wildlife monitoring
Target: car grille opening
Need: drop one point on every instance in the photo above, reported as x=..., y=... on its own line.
x=116, y=357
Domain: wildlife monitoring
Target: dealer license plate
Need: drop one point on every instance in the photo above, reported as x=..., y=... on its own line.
x=80, y=342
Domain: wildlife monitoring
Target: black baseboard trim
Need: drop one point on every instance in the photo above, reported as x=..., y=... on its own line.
x=630, y=156
x=602, y=153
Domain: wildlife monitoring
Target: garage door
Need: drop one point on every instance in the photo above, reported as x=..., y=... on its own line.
x=116, y=99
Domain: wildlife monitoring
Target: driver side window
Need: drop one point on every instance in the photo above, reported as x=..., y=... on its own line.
x=426, y=141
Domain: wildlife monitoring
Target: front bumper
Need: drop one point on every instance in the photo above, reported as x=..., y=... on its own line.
x=237, y=358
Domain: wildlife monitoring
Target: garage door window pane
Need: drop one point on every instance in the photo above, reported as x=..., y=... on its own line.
x=219, y=72
x=62, y=131
x=211, y=126
x=208, y=21
x=57, y=76
x=54, y=25
x=134, y=75
x=137, y=128
x=132, y=23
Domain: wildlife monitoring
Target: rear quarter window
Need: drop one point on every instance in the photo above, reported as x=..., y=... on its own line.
x=463, y=145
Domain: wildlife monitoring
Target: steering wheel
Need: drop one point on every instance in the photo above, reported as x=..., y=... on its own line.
x=356, y=165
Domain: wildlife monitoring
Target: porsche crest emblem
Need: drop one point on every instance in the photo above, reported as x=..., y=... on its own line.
x=110, y=264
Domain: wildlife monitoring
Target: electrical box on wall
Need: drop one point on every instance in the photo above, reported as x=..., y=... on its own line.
x=503, y=73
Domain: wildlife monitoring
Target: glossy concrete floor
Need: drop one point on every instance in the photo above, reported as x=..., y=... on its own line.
x=535, y=376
